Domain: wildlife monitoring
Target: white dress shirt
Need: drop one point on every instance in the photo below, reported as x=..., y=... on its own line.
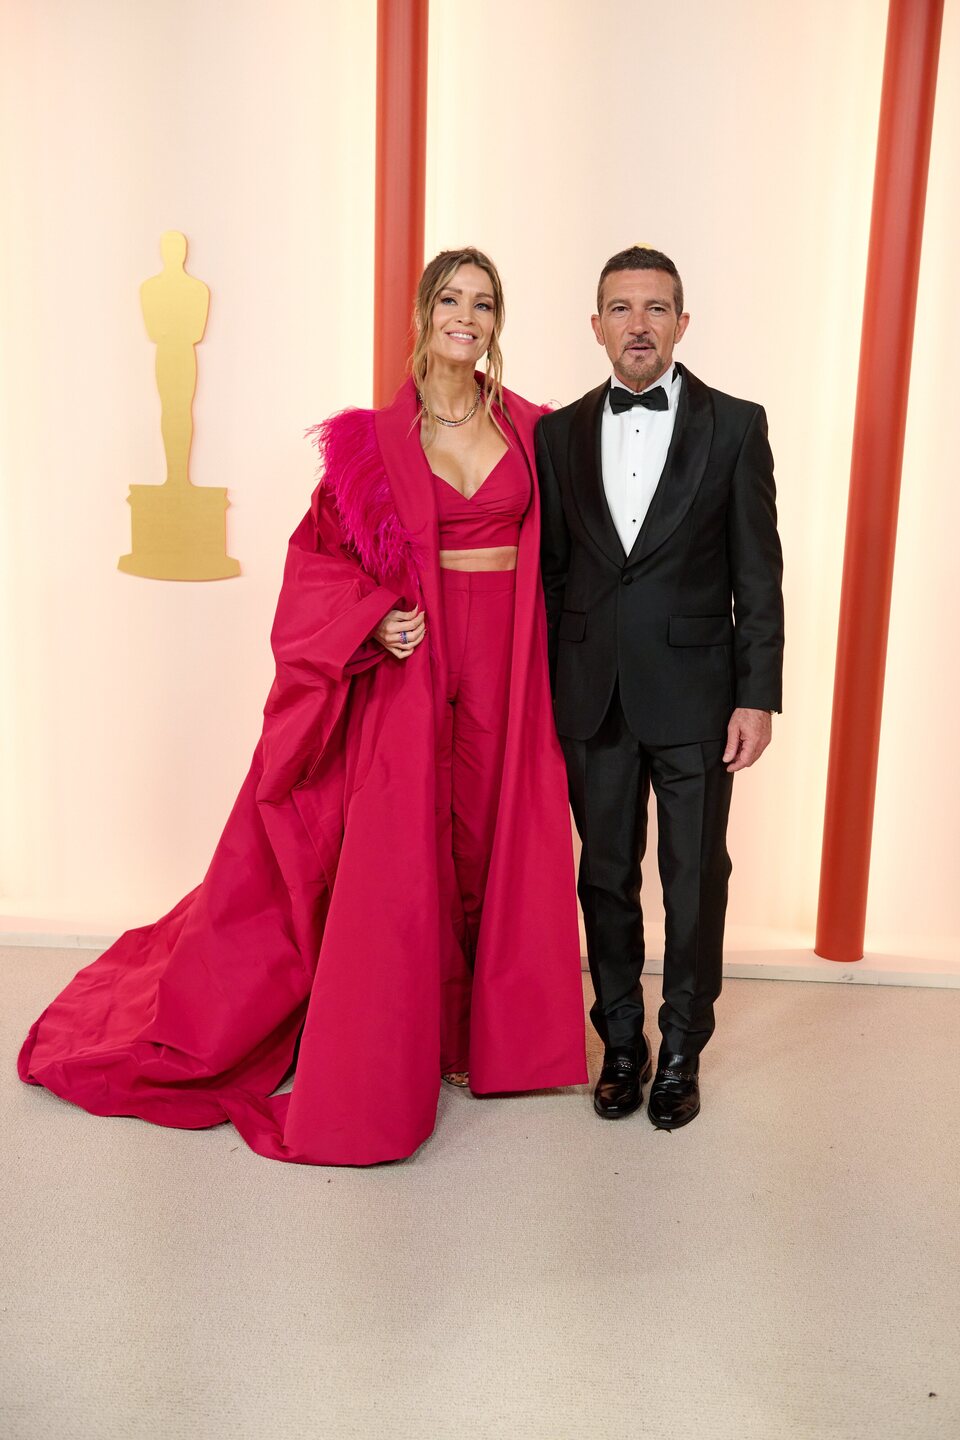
x=633, y=450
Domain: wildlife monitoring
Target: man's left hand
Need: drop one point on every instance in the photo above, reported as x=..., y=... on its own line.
x=748, y=735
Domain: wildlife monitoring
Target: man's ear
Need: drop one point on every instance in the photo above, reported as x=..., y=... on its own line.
x=597, y=324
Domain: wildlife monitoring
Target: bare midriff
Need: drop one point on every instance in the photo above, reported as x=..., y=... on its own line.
x=492, y=557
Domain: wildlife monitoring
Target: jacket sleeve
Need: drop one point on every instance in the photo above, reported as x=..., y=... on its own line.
x=554, y=545
x=756, y=569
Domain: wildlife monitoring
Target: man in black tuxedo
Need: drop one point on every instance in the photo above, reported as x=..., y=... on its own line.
x=661, y=570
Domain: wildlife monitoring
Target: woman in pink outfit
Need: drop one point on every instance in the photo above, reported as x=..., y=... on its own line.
x=394, y=886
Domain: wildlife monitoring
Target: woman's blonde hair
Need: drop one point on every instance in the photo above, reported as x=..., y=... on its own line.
x=435, y=278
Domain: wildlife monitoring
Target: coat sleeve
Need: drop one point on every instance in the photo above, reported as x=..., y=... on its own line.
x=756, y=568
x=328, y=606
x=554, y=545
x=327, y=609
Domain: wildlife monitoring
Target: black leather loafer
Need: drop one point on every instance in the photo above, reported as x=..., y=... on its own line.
x=619, y=1090
x=675, y=1093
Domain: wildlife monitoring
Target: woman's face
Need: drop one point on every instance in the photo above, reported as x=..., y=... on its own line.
x=463, y=318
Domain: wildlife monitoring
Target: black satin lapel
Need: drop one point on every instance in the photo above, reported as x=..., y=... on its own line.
x=683, y=468
x=586, y=475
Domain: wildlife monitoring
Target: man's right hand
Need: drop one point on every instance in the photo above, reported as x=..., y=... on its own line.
x=411, y=624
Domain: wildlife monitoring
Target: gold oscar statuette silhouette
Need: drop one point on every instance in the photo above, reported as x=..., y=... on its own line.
x=179, y=529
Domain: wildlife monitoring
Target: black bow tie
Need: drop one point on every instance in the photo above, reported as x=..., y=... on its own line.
x=621, y=400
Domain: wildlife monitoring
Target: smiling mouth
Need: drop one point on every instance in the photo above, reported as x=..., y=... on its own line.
x=461, y=335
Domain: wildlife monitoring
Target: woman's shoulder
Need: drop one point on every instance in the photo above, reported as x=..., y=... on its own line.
x=347, y=450
x=348, y=455
x=352, y=424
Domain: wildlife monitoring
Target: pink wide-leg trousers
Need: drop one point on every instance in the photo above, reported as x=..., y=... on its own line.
x=478, y=610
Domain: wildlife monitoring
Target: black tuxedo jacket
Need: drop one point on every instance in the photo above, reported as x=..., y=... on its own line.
x=691, y=621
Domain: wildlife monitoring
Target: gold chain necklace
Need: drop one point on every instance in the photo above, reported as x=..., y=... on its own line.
x=452, y=424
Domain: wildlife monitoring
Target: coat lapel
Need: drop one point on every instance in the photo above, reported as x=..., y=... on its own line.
x=587, y=475
x=398, y=436
x=682, y=471
x=412, y=485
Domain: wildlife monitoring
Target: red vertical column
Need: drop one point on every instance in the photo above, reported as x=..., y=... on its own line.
x=401, y=166
x=893, y=265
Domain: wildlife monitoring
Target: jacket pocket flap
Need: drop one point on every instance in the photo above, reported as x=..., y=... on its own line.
x=700, y=630
x=573, y=625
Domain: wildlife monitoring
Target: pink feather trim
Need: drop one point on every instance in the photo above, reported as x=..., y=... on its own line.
x=352, y=471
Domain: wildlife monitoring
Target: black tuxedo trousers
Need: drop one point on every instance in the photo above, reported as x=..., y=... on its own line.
x=610, y=778
x=649, y=654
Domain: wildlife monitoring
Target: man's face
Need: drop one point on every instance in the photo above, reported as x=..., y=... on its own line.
x=638, y=326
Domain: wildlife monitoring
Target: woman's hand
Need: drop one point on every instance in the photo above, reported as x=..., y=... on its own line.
x=400, y=632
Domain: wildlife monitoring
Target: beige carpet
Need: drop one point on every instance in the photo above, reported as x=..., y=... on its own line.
x=786, y=1266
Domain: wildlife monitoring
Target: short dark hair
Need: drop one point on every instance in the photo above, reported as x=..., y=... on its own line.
x=642, y=257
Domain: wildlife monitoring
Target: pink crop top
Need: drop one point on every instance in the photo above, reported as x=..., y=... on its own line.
x=493, y=513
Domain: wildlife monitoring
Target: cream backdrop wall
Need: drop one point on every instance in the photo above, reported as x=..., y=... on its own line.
x=132, y=706
x=740, y=138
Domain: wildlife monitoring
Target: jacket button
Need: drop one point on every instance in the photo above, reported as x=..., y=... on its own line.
x=627, y=580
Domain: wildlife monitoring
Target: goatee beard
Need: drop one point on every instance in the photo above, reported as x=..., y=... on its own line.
x=639, y=373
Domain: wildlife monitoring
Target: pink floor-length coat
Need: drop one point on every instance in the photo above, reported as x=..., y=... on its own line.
x=321, y=908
